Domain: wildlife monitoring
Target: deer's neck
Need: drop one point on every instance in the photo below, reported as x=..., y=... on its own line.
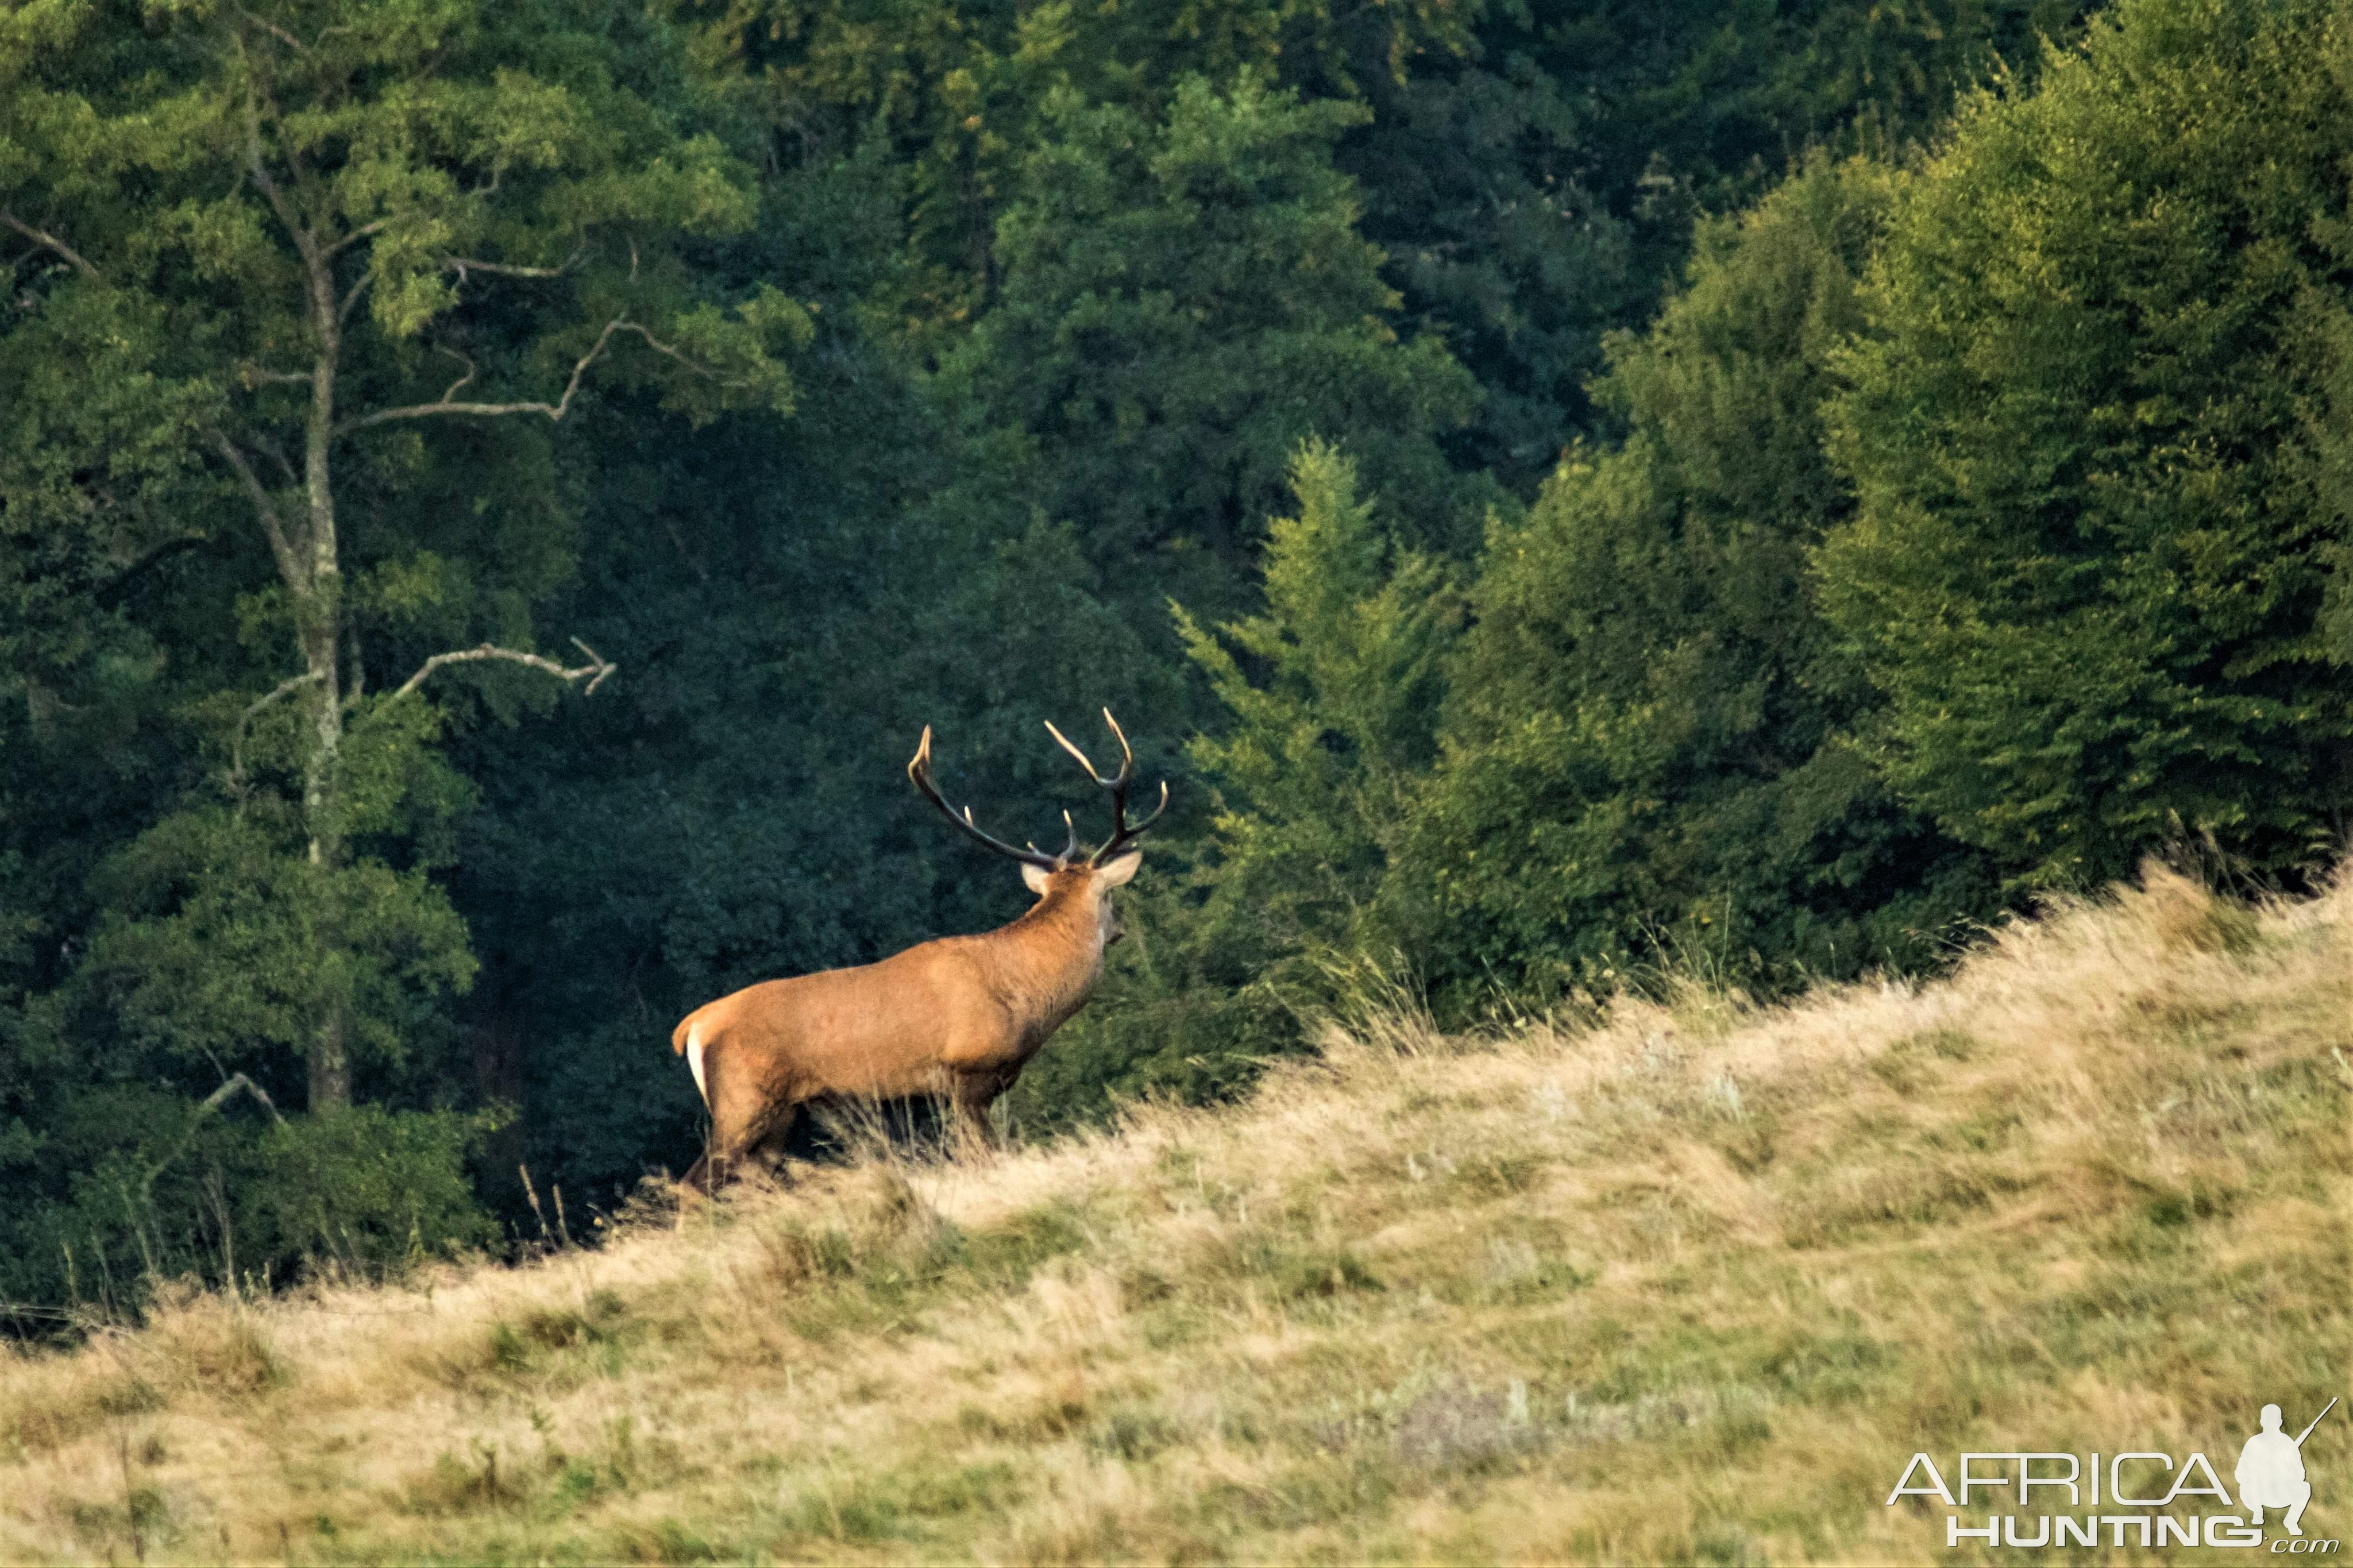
x=1051, y=957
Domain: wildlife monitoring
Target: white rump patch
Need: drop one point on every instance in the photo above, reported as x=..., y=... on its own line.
x=695, y=1060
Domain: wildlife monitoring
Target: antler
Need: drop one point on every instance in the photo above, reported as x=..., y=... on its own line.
x=1070, y=843
x=920, y=770
x=1121, y=835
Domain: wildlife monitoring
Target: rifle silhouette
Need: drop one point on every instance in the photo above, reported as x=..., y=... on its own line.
x=2324, y=1409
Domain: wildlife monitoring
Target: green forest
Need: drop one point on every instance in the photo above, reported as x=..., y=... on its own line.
x=1568, y=494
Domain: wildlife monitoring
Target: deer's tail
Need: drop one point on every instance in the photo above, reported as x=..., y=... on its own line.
x=687, y=1041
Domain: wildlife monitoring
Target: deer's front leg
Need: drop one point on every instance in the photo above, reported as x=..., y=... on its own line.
x=973, y=1093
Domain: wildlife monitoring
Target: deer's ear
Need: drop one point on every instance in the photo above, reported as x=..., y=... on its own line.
x=1115, y=873
x=1035, y=877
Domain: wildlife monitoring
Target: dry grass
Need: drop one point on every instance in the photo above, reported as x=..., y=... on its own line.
x=1690, y=1285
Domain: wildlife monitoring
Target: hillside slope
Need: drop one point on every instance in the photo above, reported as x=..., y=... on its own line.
x=1691, y=1284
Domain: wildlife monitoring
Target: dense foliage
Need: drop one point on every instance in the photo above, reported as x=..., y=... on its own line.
x=1564, y=491
x=2096, y=431
x=1649, y=737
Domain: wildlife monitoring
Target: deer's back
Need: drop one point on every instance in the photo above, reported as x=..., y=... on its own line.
x=883, y=1028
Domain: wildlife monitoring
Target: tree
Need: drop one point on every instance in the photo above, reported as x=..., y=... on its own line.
x=1312, y=768
x=270, y=248
x=1184, y=300
x=1536, y=174
x=1532, y=172
x=960, y=95
x=1646, y=733
x=1330, y=694
x=2094, y=430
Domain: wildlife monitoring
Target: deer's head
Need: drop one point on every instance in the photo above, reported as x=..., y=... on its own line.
x=1088, y=878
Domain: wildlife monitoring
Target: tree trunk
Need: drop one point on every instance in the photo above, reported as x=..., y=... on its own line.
x=319, y=612
x=331, y=1067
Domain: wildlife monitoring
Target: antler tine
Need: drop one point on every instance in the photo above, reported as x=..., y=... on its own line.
x=1126, y=756
x=1121, y=835
x=1064, y=742
x=1070, y=848
x=919, y=771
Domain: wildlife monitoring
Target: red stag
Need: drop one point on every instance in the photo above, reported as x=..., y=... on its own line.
x=959, y=1015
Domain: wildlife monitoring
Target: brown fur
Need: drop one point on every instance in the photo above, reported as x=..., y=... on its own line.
x=958, y=1016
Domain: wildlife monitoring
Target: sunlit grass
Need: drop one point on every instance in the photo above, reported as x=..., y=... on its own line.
x=1689, y=1284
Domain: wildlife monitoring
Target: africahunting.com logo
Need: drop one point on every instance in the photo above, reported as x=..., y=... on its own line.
x=2136, y=1499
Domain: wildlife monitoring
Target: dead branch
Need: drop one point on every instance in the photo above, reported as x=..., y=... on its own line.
x=364, y=231
x=277, y=454
x=43, y=238
x=289, y=565
x=594, y=671
x=660, y=347
x=210, y=1105
x=268, y=186
x=554, y=411
x=116, y=588
x=275, y=31
x=461, y=265
x=463, y=380
x=239, y=1084
x=352, y=295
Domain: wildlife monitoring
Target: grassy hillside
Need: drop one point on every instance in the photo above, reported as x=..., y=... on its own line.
x=1691, y=1284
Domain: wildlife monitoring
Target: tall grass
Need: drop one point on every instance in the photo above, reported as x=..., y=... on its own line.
x=1689, y=1280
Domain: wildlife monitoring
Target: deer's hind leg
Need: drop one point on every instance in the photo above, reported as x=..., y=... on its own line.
x=768, y=1148
x=747, y=1117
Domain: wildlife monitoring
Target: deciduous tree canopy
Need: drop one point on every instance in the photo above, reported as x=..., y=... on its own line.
x=2094, y=431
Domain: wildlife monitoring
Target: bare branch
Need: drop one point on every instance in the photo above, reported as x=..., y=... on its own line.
x=352, y=296
x=43, y=238
x=463, y=380
x=254, y=375
x=209, y=1106
x=289, y=564
x=268, y=187
x=239, y=1084
x=553, y=411
x=685, y=554
x=461, y=265
x=275, y=31
x=277, y=454
x=116, y=589
x=130, y=505
x=290, y=149
x=361, y=232
x=594, y=671
x=660, y=347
